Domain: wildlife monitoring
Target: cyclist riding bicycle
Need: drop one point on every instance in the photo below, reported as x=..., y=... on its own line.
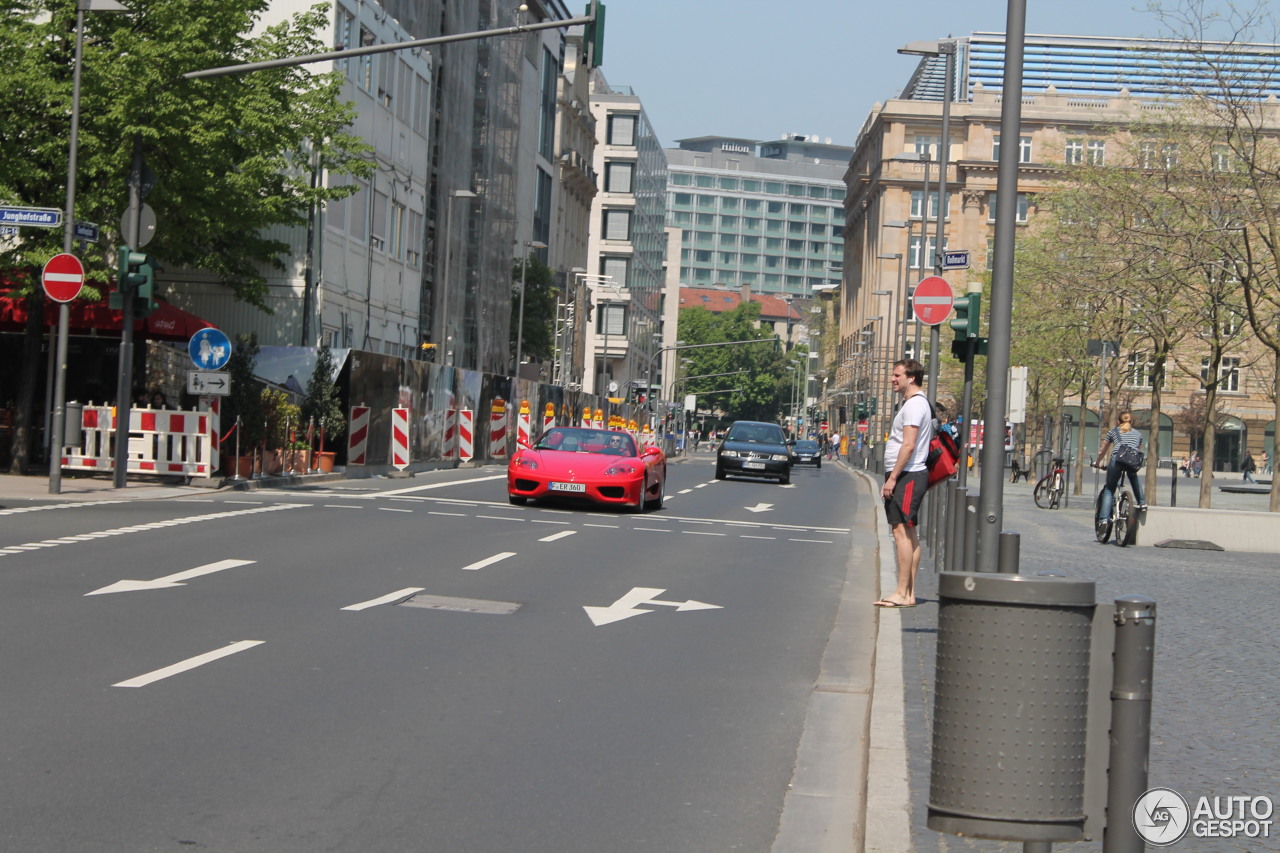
x=1122, y=447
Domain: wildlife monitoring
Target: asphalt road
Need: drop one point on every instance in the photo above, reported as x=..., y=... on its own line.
x=413, y=665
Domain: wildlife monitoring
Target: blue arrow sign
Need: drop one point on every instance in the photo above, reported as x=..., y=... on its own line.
x=210, y=349
x=36, y=217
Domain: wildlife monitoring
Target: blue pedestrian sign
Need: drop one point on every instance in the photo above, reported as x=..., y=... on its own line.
x=210, y=349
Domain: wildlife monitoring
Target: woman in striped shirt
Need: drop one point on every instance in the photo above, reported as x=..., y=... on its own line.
x=1121, y=435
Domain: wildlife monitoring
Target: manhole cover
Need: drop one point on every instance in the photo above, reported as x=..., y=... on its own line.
x=462, y=605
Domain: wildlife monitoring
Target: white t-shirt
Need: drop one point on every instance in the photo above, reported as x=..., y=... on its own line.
x=915, y=411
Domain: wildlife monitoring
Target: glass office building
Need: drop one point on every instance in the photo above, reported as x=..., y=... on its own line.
x=766, y=215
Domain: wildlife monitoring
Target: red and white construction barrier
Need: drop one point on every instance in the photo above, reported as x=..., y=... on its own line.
x=450, y=433
x=358, y=436
x=524, y=425
x=399, y=438
x=548, y=417
x=498, y=428
x=213, y=405
x=466, y=444
x=161, y=441
x=586, y=417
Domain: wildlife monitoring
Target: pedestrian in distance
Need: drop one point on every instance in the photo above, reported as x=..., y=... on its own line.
x=1250, y=465
x=1186, y=465
x=1115, y=448
x=1197, y=465
x=906, y=477
x=1266, y=462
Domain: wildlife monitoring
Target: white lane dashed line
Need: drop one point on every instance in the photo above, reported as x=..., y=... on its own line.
x=605, y=526
x=684, y=491
x=704, y=533
x=450, y=514
x=554, y=536
x=189, y=663
x=749, y=536
x=398, y=595
x=818, y=541
x=393, y=509
x=651, y=529
x=500, y=518
x=341, y=506
x=488, y=561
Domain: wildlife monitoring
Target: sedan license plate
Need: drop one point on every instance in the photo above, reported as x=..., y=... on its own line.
x=755, y=466
x=567, y=487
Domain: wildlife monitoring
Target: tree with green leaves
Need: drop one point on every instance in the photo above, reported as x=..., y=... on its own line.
x=322, y=405
x=231, y=157
x=540, y=295
x=758, y=371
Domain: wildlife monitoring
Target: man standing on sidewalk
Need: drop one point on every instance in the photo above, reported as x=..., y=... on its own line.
x=906, y=477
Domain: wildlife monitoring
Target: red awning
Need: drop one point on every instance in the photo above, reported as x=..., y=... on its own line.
x=166, y=323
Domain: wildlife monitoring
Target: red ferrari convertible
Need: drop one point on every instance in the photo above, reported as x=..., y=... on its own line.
x=596, y=465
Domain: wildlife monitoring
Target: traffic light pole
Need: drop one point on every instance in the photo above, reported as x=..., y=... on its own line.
x=124, y=377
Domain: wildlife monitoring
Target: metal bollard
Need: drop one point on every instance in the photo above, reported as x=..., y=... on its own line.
x=970, y=533
x=955, y=524
x=1134, y=658
x=1010, y=552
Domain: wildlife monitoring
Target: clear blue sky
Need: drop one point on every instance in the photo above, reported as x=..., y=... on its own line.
x=761, y=68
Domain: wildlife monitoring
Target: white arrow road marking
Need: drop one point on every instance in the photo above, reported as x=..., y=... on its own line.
x=189, y=663
x=398, y=595
x=625, y=607
x=171, y=580
x=761, y=507
x=488, y=561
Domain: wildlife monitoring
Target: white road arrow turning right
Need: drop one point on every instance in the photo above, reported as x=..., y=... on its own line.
x=171, y=580
x=760, y=507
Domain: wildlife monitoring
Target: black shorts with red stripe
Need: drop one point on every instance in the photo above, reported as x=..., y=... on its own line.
x=903, y=506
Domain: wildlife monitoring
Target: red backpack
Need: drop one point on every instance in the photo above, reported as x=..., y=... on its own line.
x=944, y=453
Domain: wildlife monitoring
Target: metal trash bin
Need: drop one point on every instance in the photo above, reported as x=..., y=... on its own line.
x=1011, y=706
x=73, y=424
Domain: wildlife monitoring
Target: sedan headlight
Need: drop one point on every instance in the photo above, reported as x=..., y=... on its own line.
x=779, y=457
x=728, y=454
x=621, y=470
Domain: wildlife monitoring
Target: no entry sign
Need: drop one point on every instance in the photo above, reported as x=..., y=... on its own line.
x=932, y=300
x=63, y=277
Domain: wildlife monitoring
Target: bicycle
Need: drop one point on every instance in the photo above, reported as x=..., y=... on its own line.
x=1123, y=520
x=1048, y=492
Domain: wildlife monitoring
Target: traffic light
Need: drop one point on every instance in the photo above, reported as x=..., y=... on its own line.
x=967, y=321
x=593, y=37
x=135, y=277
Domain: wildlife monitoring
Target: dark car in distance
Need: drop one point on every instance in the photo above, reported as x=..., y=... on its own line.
x=806, y=452
x=754, y=449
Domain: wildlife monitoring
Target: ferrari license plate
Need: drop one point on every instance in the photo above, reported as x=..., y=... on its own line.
x=567, y=487
x=754, y=466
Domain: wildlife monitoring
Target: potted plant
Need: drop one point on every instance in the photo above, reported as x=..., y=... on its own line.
x=280, y=428
x=322, y=408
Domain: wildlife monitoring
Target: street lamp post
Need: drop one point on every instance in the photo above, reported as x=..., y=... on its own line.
x=524, y=266
x=945, y=48
x=445, y=343
x=68, y=236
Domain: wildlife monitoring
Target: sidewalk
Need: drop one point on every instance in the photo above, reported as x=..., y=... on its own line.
x=1216, y=689
x=17, y=490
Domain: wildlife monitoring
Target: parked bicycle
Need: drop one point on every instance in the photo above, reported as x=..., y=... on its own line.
x=1052, y=486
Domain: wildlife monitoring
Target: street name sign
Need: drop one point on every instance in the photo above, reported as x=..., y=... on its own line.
x=208, y=383
x=931, y=301
x=63, y=277
x=956, y=260
x=37, y=217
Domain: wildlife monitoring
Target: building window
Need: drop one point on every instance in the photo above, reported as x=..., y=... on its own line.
x=413, y=245
x=395, y=231
x=612, y=319
x=679, y=179
x=617, y=176
x=729, y=184
x=1024, y=149
x=926, y=145
x=1075, y=152
x=364, y=75
x=1228, y=374
x=1224, y=159
x=1097, y=152
x=345, y=26
x=1023, y=208
x=616, y=268
x=622, y=129
x=917, y=202
x=358, y=208
x=1141, y=370
x=617, y=223
x=377, y=236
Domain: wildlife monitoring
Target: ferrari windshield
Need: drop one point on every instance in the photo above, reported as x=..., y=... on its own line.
x=587, y=441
